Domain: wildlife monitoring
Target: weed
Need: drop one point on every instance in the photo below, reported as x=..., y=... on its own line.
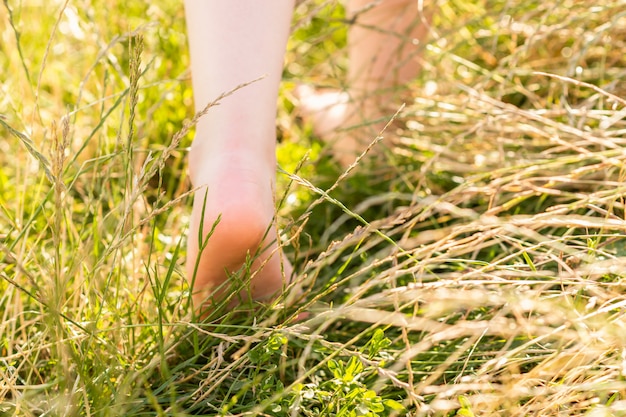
x=470, y=264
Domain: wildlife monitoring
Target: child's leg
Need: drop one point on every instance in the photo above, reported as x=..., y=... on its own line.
x=233, y=155
x=382, y=57
x=382, y=45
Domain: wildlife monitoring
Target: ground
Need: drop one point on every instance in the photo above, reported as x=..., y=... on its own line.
x=470, y=264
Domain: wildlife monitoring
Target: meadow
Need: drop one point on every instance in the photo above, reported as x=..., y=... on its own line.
x=471, y=263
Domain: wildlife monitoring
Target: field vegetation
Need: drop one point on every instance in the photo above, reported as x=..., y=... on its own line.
x=472, y=263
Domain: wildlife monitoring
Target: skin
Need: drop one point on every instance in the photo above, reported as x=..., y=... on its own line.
x=233, y=154
x=382, y=54
x=232, y=157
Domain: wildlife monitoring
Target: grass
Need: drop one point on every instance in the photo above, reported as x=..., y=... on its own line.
x=474, y=266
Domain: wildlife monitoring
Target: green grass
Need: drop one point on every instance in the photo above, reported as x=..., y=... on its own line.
x=472, y=264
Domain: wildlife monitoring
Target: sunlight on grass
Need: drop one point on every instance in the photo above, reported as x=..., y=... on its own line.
x=471, y=263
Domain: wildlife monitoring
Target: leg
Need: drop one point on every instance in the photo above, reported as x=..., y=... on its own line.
x=381, y=48
x=381, y=52
x=233, y=155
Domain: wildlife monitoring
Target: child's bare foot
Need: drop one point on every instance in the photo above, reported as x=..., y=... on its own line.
x=383, y=55
x=240, y=192
x=346, y=127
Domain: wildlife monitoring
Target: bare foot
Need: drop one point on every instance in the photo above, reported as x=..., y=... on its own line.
x=335, y=121
x=383, y=57
x=240, y=192
x=346, y=127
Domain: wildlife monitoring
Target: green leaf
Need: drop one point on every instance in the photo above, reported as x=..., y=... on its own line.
x=354, y=368
x=369, y=394
x=336, y=368
x=376, y=407
x=276, y=342
x=466, y=407
x=465, y=403
x=394, y=405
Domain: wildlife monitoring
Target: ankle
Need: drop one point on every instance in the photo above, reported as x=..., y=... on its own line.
x=211, y=167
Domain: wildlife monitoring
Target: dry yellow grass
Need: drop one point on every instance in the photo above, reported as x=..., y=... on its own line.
x=485, y=240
